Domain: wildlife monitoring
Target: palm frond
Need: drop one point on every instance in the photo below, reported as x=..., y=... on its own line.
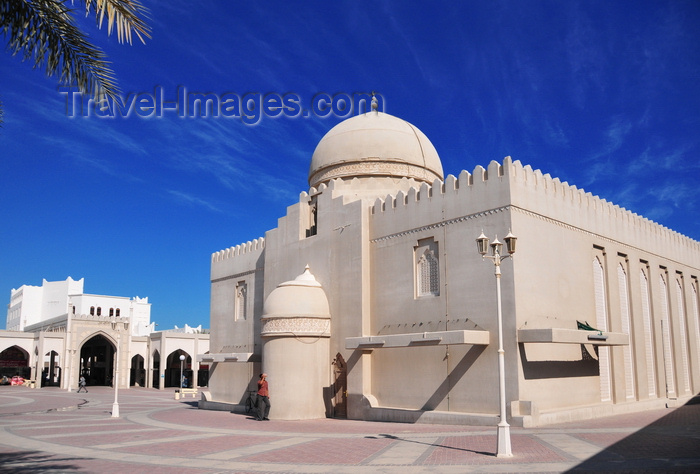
x=126, y=16
x=46, y=31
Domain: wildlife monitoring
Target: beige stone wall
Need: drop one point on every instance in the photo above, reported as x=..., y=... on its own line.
x=457, y=378
x=236, y=329
x=561, y=230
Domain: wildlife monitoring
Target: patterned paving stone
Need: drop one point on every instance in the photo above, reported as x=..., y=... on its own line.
x=50, y=430
x=325, y=451
x=482, y=450
x=196, y=448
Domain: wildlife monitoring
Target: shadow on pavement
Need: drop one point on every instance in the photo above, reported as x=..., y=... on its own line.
x=20, y=462
x=670, y=444
x=388, y=436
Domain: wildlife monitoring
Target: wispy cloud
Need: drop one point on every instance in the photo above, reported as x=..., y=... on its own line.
x=586, y=56
x=664, y=158
x=191, y=200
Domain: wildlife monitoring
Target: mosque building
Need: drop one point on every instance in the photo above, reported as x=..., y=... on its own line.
x=370, y=300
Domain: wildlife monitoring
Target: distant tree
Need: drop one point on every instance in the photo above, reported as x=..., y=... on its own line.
x=45, y=31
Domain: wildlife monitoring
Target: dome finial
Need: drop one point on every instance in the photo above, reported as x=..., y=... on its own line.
x=375, y=102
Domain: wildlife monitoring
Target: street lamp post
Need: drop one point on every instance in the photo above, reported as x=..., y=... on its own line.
x=482, y=244
x=182, y=361
x=117, y=353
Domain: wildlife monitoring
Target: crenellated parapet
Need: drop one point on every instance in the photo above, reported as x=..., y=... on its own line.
x=548, y=198
x=457, y=197
x=93, y=317
x=510, y=185
x=241, y=249
x=237, y=261
x=465, y=183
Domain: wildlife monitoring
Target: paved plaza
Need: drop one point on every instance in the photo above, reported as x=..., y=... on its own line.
x=51, y=430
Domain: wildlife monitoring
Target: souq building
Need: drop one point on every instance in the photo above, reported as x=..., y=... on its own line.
x=370, y=300
x=57, y=333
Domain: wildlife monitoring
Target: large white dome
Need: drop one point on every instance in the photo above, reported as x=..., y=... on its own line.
x=374, y=144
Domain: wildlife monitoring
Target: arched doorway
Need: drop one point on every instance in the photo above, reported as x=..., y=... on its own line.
x=203, y=374
x=156, y=370
x=15, y=361
x=340, y=387
x=51, y=370
x=138, y=372
x=97, y=361
x=172, y=373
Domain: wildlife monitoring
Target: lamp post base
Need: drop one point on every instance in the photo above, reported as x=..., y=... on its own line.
x=504, y=450
x=115, y=411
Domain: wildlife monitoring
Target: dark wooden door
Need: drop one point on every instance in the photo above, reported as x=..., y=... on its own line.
x=340, y=387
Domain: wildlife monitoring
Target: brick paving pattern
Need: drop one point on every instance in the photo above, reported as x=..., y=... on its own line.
x=51, y=430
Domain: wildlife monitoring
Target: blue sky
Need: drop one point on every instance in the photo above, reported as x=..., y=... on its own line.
x=602, y=94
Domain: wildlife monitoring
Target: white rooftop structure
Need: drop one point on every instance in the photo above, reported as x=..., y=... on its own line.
x=53, y=300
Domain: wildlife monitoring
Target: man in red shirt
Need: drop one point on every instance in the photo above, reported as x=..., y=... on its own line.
x=263, y=398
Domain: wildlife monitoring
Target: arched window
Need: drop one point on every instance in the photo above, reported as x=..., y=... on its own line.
x=428, y=277
x=427, y=281
x=118, y=312
x=696, y=314
x=111, y=312
x=666, y=337
x=601, y=311
x=648, y=334
x=241, y=298
x=92, y=310
x=99, y=310
x=680, y=299
x=628, y=361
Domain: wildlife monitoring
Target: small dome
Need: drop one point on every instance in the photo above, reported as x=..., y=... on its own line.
x=301, y=297
x=374, y=144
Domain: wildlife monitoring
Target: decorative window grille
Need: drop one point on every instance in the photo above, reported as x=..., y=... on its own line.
x=427, y=268
x=601, y=311
x=648, y=335
x=684, y=336
x=627, y=329
x=666, y=336
x=429, y=277
x=241, y=297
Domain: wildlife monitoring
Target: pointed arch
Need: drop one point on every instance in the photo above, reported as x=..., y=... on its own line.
x=666, y=337
x=627, y=351
x=696, y=319
x=155, y=372
x=97, y=357
x=137, y=377
x=51, y=370
x=340, y=387
x=174, y=367
x=648, y=334
x=683, y=328
x=601, y=311
x=14, y=360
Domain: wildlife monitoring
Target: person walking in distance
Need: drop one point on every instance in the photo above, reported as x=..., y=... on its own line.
x=81, y=384
x=263, y=398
